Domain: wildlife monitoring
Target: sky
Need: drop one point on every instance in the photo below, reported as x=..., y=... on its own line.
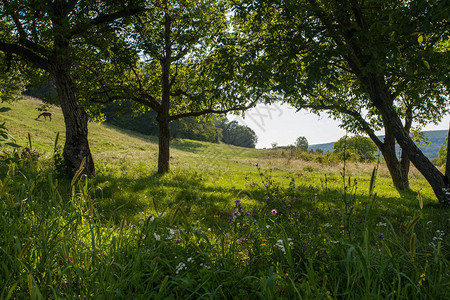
x=281, y=124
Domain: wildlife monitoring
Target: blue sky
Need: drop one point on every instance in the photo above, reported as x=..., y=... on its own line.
x=281, y=124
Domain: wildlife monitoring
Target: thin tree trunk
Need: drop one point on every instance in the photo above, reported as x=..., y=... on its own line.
x=76, y=147
x=164, y=140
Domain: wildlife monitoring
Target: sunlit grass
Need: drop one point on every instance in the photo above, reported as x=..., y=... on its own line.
x=224, y=223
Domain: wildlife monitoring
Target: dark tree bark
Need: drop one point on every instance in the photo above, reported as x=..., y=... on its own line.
x=447, y=161
x=399, y=178
x=164, y=140
x=381, y=99
x=76, y=147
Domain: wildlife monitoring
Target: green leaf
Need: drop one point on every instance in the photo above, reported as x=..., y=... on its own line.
x=4, y=109
x=420, y=39
x=427, y=65
x=12, y=145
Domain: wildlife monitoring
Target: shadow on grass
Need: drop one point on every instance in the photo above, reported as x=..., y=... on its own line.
x=121, y=197
x=188, y=145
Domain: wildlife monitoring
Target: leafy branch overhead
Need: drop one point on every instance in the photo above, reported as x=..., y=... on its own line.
x=370, y=64
x=183, y=64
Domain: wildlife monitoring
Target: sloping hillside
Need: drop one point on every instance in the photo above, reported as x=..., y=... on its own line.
x=436, y=139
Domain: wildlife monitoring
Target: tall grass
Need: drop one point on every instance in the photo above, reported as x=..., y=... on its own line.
x=275, y=239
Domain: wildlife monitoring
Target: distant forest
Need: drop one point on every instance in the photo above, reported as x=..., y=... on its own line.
x=214, y=130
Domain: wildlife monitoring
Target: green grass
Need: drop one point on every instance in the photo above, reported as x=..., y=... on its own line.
x=300, y=229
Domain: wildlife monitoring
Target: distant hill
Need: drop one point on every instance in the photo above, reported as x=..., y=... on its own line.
x=436, y=138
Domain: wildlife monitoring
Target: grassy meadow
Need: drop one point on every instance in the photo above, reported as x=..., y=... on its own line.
x=225, y=223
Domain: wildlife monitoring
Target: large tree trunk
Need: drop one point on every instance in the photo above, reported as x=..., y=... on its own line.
x=398, y=174
x=76, y=147
x=164, y=140
x=381, y=99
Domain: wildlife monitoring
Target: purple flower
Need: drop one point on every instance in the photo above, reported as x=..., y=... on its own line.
x=304, y=246
x=177, y=240
x=234, y=213
x=381, y=235
x=351, y=207
x=247, y=214
x=237, y=201
x=268, y=198
x=230, y=219
x=273, y=211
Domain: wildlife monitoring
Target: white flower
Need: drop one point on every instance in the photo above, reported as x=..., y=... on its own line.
x=173, y=231
x=180, y=267
x=280, y=244
x=327, y=225
x=381, y=224
x=190, y=259
x=157, y=237
x=334, y=242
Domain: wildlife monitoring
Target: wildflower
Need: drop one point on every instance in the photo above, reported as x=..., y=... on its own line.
x=304, y=246
x=421, y=279
x=71, y=260
x=351, y=207
x=230, y=219
x=381, y=224
x=263, y=244
x=280, y=244
x=327, y=225
x=237, y=201
x=172, y=231
x=381, y=235
x=268, y=198
x=177, y=240
x=234, y=213
x=247, y=214
x=180, y=267
x=190, y=259
x=157, y=236
x=274, y=211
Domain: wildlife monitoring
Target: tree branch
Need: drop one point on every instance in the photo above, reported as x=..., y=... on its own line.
x=105, y=19
x=25, y=53
x=354, y=114
x=213, y=111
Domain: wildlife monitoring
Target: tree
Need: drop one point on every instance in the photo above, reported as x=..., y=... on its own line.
x=56, y=36
x=301, y=143
x=12, y=82
x=357, y=147
x=370, y=63
x=189, y=66
x=238, y=135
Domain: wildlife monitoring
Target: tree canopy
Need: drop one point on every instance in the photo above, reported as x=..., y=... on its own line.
x=58, y=37
x=301, y=143
x=369, y=63
x=357, y=148
x=184, y=67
